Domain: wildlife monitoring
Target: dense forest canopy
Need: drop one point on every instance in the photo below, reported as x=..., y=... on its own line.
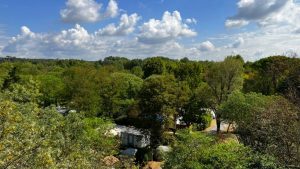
x=261, y=99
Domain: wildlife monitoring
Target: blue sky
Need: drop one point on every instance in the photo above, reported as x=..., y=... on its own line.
x=198, y=29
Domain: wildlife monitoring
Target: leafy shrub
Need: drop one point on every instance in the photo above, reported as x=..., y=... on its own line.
x=195, y=150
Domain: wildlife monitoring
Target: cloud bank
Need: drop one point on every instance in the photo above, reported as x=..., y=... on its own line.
x=277, y=32
x=112, y=39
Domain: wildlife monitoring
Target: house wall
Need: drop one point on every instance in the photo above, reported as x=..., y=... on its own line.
x=136, y=141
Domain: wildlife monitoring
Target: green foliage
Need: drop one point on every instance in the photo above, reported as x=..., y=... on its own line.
x=269, y=124
x=153, y=66
x=42, y=138
x=138, y=71
x=82, y=91
x=191, y=72
x=25, y=92
x=11, y=78
x=52, y=89
x=117, y=62
x=168, y=138
x=224, y=78
x=35, y=136
x=118, y=93
x=96, y=134
x=290, y=86
x=206, y=120
x=157, y=103
x=161, y=100
x=196, y=108
x=228, y=155
x=158, y=91
x=5, y=68
x=206, y=153
x=239, y=107
x=266, y=75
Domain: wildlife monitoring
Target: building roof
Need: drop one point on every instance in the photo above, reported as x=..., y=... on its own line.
x=125, y=129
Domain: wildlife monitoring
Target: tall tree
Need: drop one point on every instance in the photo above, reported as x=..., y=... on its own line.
x=196, y=108
x=82, y=89
x=153, y=66
x=290, y=86
x=161, y=100
x=224, y=78
x=52, y=89
x=119, y=92
x=269, y=124
x=192, y=72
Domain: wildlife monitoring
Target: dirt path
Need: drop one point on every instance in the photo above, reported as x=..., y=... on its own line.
x=213, y=127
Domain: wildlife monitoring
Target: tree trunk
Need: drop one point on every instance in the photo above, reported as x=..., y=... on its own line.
x=218, y=123
x=228, y=128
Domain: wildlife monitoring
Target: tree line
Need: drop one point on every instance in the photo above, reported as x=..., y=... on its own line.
x=260, y=99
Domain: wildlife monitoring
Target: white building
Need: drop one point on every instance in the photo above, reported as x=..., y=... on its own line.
x=131, y=136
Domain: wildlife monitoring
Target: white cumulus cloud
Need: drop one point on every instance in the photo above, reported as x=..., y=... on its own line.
x=112, y=9
x=265, y=13
x=191, y=21
x=206, y=46
x=126, y=26
x=74, y=36
x=170, y=27
x=236, y=23
x=78, y=11
x=66, y=43
x=237, y=43
x=78, y=43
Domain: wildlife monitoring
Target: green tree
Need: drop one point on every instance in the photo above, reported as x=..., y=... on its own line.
x=118, y=62
x=224, y=78
x=207, y=152
x=82, y=89
x=266, y=75
x=52, y=89
x=161, y=100
x=192, y=72
x=138, y=71
x=290, y=86
x=196, y=108
x=153, y=66
x=5, y=68
x=24, y=92
x=31, y=137
x=269, y=124
x=119, y=92
x=10, y=79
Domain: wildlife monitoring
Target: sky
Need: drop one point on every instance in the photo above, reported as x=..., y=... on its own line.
x=197, y=29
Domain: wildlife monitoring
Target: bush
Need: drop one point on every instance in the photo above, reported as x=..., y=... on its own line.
x=198, y=150
x=168, y=138
x=203, y=122
x=206, y=120
x=144, y=155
